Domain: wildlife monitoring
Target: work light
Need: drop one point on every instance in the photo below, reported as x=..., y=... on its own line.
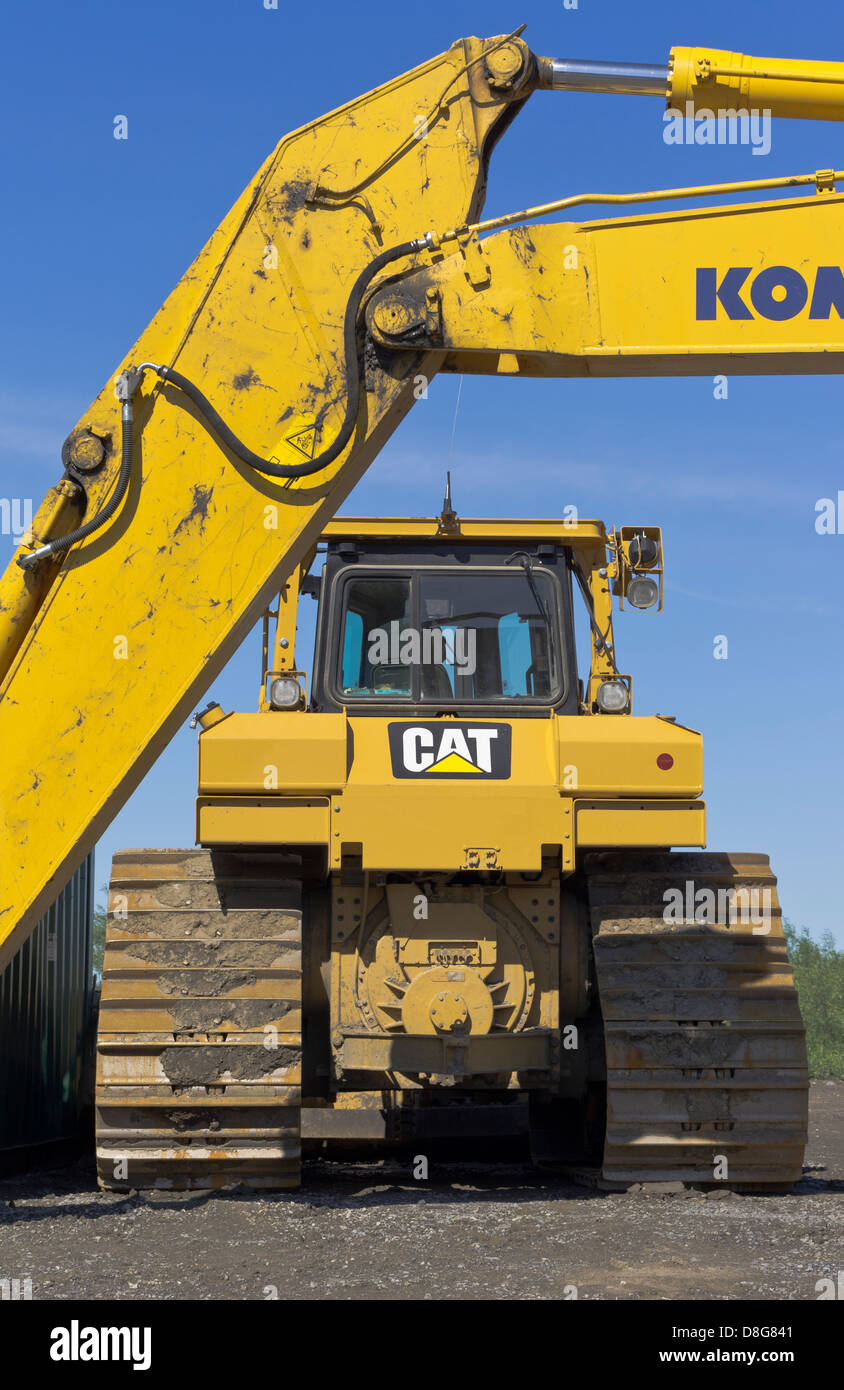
x=642, y=591
x=612, y=697
x=285, y=692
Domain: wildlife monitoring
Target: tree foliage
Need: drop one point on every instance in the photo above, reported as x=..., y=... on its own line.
x=819, y=975
x=100, y=913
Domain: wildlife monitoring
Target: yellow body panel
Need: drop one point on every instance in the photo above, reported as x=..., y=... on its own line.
x=259, y=752
x=631, y=824
x=249, y=820
x=602, y=754
x=408, y=528
x=440, y=822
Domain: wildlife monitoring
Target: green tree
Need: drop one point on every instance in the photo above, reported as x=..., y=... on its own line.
x=819, y=975
x=100, y=914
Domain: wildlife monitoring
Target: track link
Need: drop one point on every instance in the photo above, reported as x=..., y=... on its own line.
x=199, y=1048
x=706, y=1059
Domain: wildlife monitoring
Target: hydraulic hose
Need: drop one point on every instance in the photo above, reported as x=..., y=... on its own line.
x=353, y=358
x=88, y=528
x=131, y=379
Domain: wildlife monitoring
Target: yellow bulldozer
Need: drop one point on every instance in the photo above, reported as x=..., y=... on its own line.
x=447, y=882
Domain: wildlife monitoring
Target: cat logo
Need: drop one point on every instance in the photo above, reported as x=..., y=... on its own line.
x=453, y=750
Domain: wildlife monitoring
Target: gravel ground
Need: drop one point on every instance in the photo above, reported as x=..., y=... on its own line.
x=481, y=1231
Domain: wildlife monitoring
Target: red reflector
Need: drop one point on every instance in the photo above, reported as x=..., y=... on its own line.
x=665, y=761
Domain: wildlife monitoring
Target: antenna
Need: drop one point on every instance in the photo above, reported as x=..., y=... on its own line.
x=448, y=519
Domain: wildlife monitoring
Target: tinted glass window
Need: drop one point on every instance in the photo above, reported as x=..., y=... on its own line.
x=377, y=614
x=486, y=636
x=442, y=636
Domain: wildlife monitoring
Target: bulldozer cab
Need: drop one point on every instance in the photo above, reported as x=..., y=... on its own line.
x=443, y=624
x=431, y=616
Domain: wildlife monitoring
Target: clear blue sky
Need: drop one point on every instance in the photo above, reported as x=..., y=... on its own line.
x=95, y=232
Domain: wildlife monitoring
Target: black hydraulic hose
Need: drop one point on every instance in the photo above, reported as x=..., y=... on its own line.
x=62, y=543
x=354, y=373
x=353, y=384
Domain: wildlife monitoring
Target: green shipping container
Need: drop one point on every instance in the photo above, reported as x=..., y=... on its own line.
x=46, y=1000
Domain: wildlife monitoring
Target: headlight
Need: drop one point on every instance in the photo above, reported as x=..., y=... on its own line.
x=612, y=697
x=642, y=591
x=643, y=551
x=285, y=692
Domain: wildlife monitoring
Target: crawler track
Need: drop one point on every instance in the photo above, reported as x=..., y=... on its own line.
x=705, y=1045
x=199, y=1047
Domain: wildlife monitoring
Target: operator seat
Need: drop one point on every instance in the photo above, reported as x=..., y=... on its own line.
x=435, y=683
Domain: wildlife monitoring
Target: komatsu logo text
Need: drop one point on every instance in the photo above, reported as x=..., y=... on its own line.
x=453, y=750
x=776, y=293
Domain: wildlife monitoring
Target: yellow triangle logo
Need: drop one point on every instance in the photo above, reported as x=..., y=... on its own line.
x=453, y=763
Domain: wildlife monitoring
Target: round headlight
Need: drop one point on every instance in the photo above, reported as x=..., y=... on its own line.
x=285, y=692
x=642, y=591
x=612, y=697
x=643, y=551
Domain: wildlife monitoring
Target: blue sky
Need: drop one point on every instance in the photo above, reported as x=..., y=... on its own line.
x=96, y=232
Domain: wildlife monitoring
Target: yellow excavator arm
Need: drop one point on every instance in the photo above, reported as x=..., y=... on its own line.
x=352, y=269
